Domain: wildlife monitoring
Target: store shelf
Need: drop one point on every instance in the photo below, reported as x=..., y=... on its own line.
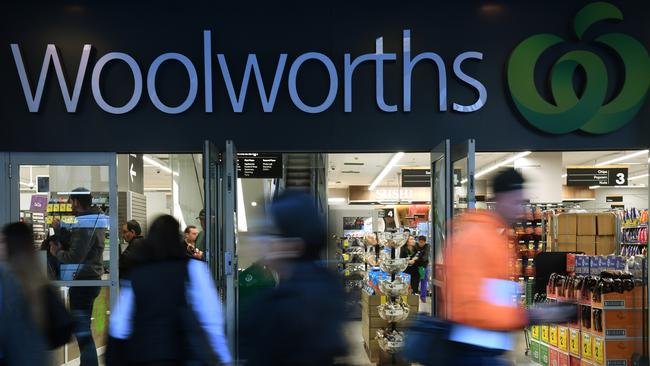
x=634, y=227
x=634, y=243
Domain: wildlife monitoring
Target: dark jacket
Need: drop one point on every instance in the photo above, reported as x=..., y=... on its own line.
x=21, y=342
x=422, y=255
x=132, y=255
x=300, y=322
x=85, y=240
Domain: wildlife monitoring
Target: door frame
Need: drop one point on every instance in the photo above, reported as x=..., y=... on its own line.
x=15, y=160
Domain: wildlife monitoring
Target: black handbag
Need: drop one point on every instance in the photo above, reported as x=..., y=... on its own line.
x=59, y=322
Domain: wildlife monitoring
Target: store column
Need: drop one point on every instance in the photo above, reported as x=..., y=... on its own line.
x=132, y=203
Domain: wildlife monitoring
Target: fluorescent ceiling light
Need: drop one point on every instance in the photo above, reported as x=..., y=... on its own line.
x=157, y=163
x=254, y=204
x=393, y=161
x=565, y=175
x=638, y=177
x=500, y=164
x=336, y=200
x=622, y=158
x=242, y=224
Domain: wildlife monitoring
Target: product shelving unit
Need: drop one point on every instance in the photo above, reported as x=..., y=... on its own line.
x=351, y=265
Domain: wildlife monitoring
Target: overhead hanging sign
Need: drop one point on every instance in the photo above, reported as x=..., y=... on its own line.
x=258, y=165
x=597, y=176
x=412, y=178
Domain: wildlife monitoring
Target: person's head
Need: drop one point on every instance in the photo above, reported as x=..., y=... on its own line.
x=407, y=231
x=19, y=240
x=422, y=240
x=509, y=198
x=296, y=217
x=201, y=219
x=410, y=241
x=131, y=230
x=81, y=200
x=191, y=233
x=164, y=239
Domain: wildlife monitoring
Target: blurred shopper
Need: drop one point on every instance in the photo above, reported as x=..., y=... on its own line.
x=200, y=239
x=169, y=312
x=85, y=242
x=422, y=264
x=480, y=295
x=42, y=313
x=410, y=252
x=133, y=253
x=299, y=322
x=191, y=233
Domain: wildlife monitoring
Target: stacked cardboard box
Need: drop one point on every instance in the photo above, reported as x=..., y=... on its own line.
x=592, y=234
x=371, y=322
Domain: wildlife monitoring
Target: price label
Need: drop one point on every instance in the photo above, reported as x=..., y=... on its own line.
x=586, y=346
x=574, y=342
x=545, y=333
x=50, y=207
x=598, y=350
x=56, y=207
x=68, y=207
x=346, y=257
x=552, y=337
x=382, y=300
x=534, y=330
x=347, y=272
x=346, y=243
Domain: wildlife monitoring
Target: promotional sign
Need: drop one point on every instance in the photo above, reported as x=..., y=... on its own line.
x=257, y=165
x=616, y=198
x=38, y=203
x=416, y=178
x=596, y=176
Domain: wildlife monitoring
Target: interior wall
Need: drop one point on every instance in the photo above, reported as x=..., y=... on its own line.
x=632, y=197
x=157, y=204
x=187, y=188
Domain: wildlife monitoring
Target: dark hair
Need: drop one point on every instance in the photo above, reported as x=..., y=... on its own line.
x=409, y=230
x=134, y=226
x=296, y=215
x=422, y=237
x=19, y=238
x=190, y=227
x=164, y=240
x=507, y=180
x=83, y=196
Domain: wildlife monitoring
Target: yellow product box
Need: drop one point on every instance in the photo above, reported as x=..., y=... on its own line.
x=587, y=346
x=534, y=331
x=552, y=335
x=574, y=341
x=563, y=339
x=545, y=334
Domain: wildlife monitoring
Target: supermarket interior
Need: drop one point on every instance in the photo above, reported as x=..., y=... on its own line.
x=582, y=237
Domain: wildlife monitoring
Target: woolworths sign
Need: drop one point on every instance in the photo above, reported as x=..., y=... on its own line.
x=568, y=108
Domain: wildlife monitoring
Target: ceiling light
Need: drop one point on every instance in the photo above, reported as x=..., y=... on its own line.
x=500, y=164
x=622, y=158
x=242, y=224
x=638, y=177
x=158, y=164
x=564, y=175
x=336, y=200
x=393, y=161
x=254, y=204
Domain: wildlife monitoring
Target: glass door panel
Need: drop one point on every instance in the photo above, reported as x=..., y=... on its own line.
x=440, y=214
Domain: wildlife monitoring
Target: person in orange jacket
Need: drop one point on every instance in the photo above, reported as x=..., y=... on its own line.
x=480, y=293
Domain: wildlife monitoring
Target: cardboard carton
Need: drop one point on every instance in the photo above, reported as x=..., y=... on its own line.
x=586, y=244
x=574, y=341
x=606, y=223
x=543, y=354
x=567, y=224
x=616, y=351
x=574, y=361
x=553, y=359
x=586, y=346
x=534, y=351
x=563, y=338
x=586, y=224
x=563, y=359
x=605, y=245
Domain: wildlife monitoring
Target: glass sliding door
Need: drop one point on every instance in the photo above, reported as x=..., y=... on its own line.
x=440, y=213
x=70, y=200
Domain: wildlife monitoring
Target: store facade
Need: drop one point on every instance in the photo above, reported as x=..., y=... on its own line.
x=81, y=83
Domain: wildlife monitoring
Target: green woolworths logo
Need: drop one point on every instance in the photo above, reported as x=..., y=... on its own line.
x=587, y=112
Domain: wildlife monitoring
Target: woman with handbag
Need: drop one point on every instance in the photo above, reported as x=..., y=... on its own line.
x=169, y=312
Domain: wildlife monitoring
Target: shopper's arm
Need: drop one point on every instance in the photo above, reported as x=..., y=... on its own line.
x=121, y=323
x=77, y=251
x=205, y=302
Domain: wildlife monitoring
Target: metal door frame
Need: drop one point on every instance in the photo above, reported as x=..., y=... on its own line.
x=15, y=160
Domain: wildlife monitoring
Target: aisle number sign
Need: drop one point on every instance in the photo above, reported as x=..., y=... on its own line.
x=563, y=335
x=586, y=346
x=574, y=341
x=587, y=176
x=598, y=350
x=552, y=337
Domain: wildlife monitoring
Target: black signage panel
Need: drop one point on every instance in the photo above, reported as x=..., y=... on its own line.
x=412, y=178
x=136, y=173
x=258, y=165
x=597, y=176
x=614, y=199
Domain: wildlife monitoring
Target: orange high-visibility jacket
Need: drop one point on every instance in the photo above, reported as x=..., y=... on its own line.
x=477, y=255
